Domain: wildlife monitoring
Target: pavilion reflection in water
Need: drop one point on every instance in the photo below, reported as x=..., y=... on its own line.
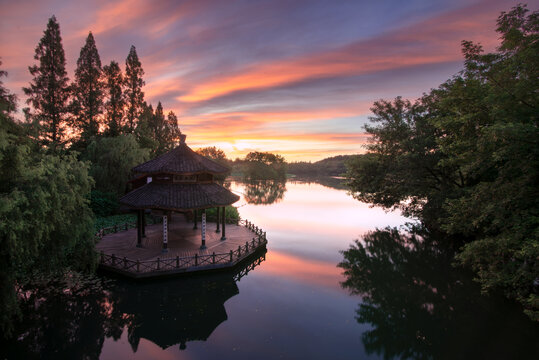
x=77, y=323
x=168, y=313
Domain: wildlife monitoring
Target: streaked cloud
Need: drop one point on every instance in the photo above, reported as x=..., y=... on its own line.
x=296, y=77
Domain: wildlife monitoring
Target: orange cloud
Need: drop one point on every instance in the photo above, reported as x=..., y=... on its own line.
x=118, y=14
x=280, y=73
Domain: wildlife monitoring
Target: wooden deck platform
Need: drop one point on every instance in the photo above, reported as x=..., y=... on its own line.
x=118, y=251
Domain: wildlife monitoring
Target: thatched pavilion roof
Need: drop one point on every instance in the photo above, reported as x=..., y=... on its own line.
x=181, y=161
x=179, y=197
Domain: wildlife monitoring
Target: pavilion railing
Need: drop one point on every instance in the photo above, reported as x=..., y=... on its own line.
x=133, y=224
x=189, y=262
x=121, y=227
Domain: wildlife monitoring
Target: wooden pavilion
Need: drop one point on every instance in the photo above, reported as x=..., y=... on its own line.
x=178, y=181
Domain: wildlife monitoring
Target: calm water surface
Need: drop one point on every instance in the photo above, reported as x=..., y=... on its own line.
x=289, y=303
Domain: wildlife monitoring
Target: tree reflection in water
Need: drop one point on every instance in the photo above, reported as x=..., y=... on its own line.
x=72, y=320
x=422, y=307
x=264, y=192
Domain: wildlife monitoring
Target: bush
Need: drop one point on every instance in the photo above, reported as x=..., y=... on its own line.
x=103, y=204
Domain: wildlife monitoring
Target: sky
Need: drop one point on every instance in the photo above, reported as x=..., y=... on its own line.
x=295, y=77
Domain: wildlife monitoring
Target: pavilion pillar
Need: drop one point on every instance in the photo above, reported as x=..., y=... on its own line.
x=223, y=235
x=165, y=233
x=143, y=223
x=218, y=220
x=195, y=220
x=203, y=246
x=139, y=229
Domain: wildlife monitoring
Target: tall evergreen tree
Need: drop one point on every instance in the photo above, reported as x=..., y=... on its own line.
x=173, y=130
x=133, y=88
x=115, y=103
x=158, y=126
x=143, y=129
x=88, y=91
x=49, y=91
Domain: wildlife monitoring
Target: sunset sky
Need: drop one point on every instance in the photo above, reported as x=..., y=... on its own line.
x=292, y=77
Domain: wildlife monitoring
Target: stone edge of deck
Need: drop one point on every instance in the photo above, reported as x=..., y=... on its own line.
x=184, y=271
x=131, y=268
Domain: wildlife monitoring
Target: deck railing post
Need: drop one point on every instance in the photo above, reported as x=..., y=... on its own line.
x=196, y=259
x=138, y=265
x=115, y=228
x=231, y=254
x=239, y=251
x=177, y=261
x=113, y=260
x=158, y=264
x=253, y=243
x=247, y=246
x=125, y=262
x=213, y=257
x=126, y=225
x=102, y=257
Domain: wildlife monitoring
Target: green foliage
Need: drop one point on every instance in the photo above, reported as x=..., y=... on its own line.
x=103, y=204
x=264, y=166
x=49, y=91
x=133, y=89
x=232, y=214
x=112, y=160
x=465, y=159
x=88, y=90
x=46, y=225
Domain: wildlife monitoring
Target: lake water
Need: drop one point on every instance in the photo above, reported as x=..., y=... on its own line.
x=289, y=303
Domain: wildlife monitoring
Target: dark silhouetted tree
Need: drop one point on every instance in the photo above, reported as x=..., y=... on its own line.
x=49, y=91
x=143, y=130
x=88, y=91
x=173, y=130
x=133, y=88
x=115, y=99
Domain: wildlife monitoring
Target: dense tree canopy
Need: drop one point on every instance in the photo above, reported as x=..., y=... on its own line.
x=112, y=160
x=44, y=211
x=464, y=158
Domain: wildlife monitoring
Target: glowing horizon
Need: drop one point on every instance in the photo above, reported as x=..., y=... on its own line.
x=295, y=79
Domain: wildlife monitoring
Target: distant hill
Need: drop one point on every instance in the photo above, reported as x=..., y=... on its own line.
x=332, y=166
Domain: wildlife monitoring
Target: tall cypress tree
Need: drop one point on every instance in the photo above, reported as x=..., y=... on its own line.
x=159, y=128
x=133, y=88
x=88, y=91
x=173, y=130
x=115, y=103
x=49, y=90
